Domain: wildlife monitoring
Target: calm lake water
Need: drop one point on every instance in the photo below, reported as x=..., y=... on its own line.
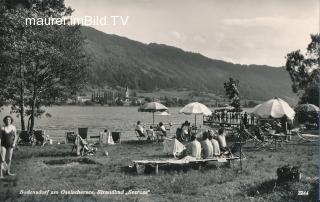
x=97, y=118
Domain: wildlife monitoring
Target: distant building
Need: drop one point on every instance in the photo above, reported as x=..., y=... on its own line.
x=82, y=99
x=127, y=94
x=127, y=97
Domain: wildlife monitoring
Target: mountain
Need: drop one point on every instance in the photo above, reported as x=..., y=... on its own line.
x=119, y=61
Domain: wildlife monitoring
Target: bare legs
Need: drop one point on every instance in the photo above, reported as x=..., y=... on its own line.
x=2, y=160
x=6, y=156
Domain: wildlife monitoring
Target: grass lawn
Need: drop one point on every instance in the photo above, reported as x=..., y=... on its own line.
x=42, y=168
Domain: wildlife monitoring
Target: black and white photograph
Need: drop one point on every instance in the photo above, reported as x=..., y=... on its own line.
x=159, y=100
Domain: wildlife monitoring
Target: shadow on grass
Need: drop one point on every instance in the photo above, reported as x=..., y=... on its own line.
x=264, y=188
x=171, y=169
x=68, y=161
x=26, y=152
x=137, y=142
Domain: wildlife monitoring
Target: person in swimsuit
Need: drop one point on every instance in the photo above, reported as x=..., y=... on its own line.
x=8, y=139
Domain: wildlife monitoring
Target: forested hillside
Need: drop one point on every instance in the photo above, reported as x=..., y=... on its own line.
x=118, y=61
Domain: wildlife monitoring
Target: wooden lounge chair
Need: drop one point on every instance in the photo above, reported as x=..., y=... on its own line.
x=116, y=136
x=39, y=137
x=83, y=132
x=139, y=165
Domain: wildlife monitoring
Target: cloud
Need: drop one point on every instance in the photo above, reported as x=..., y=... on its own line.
x=177, y=35
x=199, y=39
x=264, y=21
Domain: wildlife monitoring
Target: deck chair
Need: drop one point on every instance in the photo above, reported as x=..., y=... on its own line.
x=39, y=136
x=236, y=151
x=25, y=137
x=83, y=132
x=116, y=136
x=140, y=135
x=82, y=147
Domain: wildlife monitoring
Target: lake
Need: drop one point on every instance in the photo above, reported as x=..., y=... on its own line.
x=97, y=118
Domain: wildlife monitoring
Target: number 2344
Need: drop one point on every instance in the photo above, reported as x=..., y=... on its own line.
x=303, y=193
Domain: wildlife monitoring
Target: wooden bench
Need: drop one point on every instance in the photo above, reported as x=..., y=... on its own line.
x=142, y=163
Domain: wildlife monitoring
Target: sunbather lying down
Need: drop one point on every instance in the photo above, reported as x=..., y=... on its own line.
x=83, y=148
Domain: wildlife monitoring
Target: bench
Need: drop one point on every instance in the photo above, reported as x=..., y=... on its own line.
x=142, y=163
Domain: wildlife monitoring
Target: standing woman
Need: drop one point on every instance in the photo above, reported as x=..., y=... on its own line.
x=8, y=139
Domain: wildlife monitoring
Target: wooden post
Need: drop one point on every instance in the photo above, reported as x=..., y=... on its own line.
x=157, y=169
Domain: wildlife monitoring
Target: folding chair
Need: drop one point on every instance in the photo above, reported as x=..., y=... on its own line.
x=39, y=137
x=83, y=132
x=116, y=136
x=140, y=135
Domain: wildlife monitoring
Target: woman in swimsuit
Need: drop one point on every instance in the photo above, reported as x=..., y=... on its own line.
x=8, y=139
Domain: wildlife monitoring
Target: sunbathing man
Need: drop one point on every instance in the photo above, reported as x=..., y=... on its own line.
x=222, y=140
x=215, y=144
x=194, y=148
x=207, y=148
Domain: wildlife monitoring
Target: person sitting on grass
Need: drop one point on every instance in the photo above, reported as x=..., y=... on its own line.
x=215, y=144
x=207, y=148
x=140, y=129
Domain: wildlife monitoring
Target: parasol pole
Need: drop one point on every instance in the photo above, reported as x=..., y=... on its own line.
x=195, y=120
x=152, y=119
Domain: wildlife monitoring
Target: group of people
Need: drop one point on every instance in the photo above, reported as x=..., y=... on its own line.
x=282, y=125
x=212, y=145
x=8, y=141
x=152, y=132
x=233, y=117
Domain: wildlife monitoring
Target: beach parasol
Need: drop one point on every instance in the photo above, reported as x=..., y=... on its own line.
x=153, y=107
x=275, y=108
x=195, y=108
x=165, y=113
x=251, y=110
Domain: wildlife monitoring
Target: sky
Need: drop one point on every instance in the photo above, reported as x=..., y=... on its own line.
x=239, y=31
